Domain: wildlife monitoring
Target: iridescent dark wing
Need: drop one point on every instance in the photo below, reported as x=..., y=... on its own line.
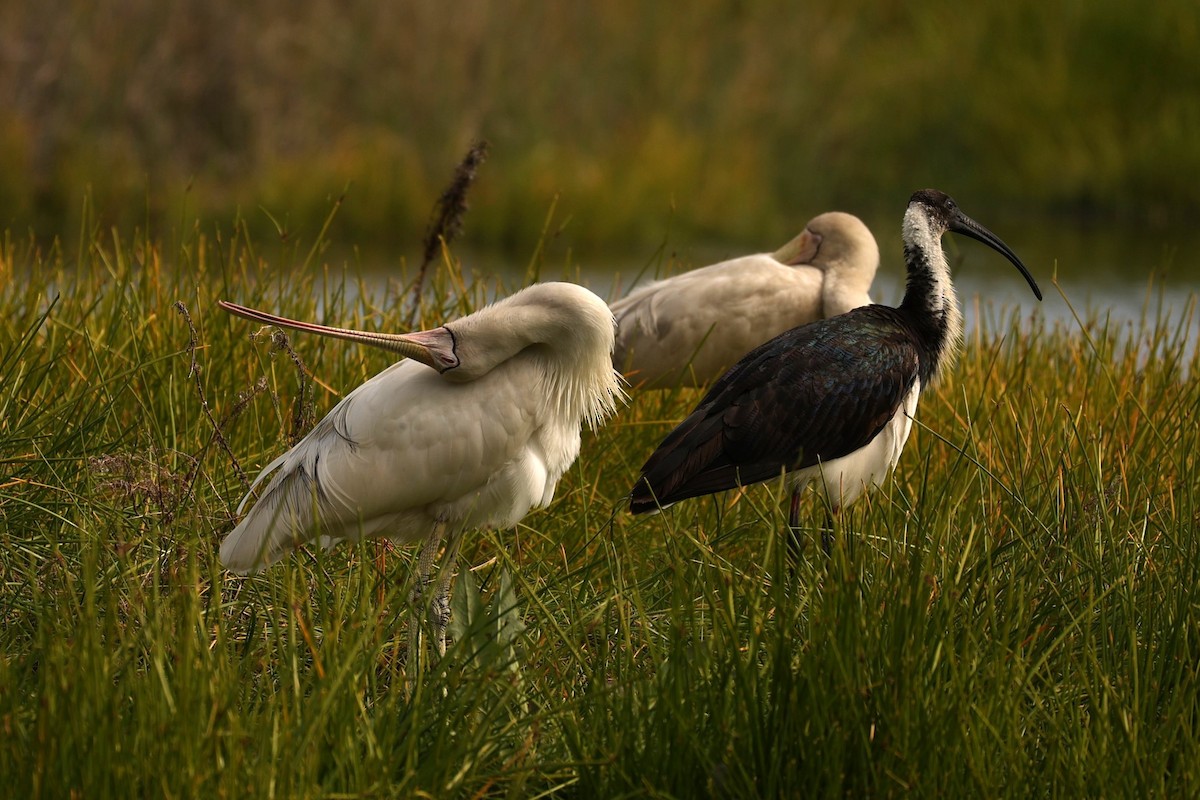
x=814, y=393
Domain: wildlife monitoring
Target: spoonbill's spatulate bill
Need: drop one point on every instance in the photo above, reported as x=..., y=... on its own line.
x=832, y=401
x=472, y=430
x=688, y=329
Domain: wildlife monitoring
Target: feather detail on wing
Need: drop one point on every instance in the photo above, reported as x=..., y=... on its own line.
x=285, y=516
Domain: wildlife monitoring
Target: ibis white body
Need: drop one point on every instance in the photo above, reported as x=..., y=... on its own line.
x=688, y=329
x=843, y=480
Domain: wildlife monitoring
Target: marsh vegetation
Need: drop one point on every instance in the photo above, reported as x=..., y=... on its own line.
x=1018, y=609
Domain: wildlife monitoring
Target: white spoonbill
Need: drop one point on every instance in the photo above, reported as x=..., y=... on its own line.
x=473, y=431
x=688, y=329
x=832, y=401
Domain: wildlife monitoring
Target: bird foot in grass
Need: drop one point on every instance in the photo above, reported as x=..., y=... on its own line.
x=795, y=545
x=436, y=614
x=793, y=536
x=439, y=618
x=416, y=615
x=415, y=594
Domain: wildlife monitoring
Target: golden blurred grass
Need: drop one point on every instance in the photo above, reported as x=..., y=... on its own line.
x=725, y=120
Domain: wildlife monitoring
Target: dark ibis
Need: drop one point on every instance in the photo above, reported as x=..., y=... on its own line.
x=832, y=401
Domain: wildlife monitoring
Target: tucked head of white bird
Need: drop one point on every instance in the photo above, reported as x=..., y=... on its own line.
x=945, y=215
x=830, y=241
x=436, y=348
x=561, y=321
x=565, y=327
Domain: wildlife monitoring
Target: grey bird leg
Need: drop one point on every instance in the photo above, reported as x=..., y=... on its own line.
x=424, y=570
x=439, y=608
x=827, y=533
x=794, y=512
x=794, y=547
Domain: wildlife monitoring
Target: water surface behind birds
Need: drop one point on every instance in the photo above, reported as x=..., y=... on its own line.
x=1114, y=273
x=1111, y=275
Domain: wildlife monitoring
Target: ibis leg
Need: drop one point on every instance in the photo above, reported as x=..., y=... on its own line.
x=425, y=564
x=827, y=533
x=794, y=546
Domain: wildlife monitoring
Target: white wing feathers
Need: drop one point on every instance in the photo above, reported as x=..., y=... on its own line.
x=401, y=451
x=710, y=317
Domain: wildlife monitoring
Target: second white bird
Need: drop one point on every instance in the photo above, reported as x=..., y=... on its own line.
x=688, y=329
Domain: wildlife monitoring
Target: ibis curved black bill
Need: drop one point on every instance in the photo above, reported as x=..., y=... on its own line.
x=961, y=223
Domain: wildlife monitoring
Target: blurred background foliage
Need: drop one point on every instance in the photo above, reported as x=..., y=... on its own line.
x=721, y=120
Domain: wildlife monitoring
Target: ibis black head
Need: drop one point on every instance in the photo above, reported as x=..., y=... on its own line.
x=945, y=215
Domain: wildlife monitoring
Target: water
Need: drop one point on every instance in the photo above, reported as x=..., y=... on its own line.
x=1114, y=276
x=1121, y=276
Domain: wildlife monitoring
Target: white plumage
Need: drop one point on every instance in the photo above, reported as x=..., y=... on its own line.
x=688, y=329
x=843, y=480
x=418, y=454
